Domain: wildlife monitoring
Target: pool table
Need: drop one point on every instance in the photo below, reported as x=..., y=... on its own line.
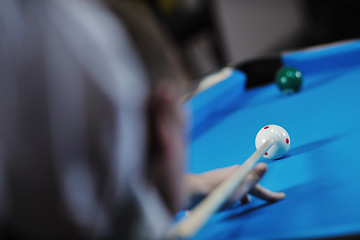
x=321, y=172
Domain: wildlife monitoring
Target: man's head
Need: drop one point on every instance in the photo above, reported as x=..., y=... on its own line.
x=73, y=128
x=91, y=140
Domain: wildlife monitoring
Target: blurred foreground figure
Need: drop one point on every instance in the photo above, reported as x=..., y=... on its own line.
x=71, y=101
x=91, y=131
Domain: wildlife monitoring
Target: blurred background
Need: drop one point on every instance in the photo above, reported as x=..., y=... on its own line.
x=213, y=33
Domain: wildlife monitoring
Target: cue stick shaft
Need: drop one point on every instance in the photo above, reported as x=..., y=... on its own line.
x=188, y=226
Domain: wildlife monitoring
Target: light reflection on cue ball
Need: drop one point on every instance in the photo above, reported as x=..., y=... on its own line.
x=281, y=137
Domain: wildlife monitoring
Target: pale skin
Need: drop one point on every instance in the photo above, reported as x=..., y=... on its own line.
x=203, y=184
x=165, y=170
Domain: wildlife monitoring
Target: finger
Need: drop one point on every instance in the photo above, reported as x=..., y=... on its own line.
x=249, y=182
x=265, y=194
x=260, y=169
x=246, y=199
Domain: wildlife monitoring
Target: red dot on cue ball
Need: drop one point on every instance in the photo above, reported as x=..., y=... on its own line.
x=281, y=141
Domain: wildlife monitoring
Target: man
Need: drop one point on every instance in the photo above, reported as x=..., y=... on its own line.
x=91, y=132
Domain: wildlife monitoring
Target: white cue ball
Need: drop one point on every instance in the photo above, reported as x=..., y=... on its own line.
x=281, y=137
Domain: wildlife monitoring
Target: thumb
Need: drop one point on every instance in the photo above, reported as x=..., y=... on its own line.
x=248, y=183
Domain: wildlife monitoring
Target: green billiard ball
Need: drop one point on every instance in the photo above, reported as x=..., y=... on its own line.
x=288, y=79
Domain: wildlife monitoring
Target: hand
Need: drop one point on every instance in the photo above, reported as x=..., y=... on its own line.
x=200, y=185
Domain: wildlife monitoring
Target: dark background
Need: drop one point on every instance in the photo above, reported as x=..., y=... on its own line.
x=213, y=33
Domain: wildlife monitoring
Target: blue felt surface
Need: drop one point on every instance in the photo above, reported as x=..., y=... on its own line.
x=212, y=104
x=320, y=174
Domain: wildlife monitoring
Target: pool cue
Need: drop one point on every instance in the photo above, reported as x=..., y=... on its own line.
x=188, y=226
x=206, y=82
